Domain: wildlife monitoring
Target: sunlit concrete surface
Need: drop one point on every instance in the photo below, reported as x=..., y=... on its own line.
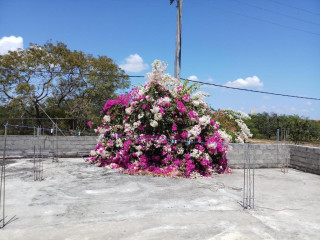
x=81, y=201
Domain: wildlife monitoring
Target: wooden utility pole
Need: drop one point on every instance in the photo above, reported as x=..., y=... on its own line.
x=177, y=61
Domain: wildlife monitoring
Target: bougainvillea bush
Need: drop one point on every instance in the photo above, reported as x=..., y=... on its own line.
x=231, y=122
x=162, y=129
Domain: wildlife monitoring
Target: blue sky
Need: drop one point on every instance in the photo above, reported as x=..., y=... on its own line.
x=268, y=45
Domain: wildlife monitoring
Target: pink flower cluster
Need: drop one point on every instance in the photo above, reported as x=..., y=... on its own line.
x=159, y=131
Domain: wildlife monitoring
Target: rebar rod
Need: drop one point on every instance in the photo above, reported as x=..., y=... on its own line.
x=34, y=162
x=244, y=177
x=253, y=183
x=3, y=177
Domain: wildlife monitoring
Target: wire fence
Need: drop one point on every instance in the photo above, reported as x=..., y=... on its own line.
x=26, y=126
x=32, y=130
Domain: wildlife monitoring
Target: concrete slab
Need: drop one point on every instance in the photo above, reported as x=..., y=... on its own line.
x=80, y=201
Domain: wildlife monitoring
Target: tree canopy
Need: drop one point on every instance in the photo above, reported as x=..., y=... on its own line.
x=265, y=125
x=66, y=82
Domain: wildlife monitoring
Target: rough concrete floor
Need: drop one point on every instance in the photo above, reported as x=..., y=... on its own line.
x=80, y=201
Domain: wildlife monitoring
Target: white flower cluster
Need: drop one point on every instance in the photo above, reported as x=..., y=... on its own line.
x=245, y=131
x=158, y=66
x=198, y=97
x=155, y=109
x=180, y=151
x=128, y=128
x=119, y=143
x=195, y=153
x=107, y=118
x=136, y=124
x=157, y=74
x=93, y=153
x=163, y=101
x=167, y=148
x=105, y=154
x=100, y=138
x=128, y=110
x=204, y=120
x=153, y=123
x=157, y=115
x=212, y=145
x=227, y=138
x=194, y=132
x=243, y=115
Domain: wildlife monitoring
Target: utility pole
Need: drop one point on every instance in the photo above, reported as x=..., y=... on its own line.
x=177, y=61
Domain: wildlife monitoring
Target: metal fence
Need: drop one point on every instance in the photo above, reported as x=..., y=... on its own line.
x=70, y=126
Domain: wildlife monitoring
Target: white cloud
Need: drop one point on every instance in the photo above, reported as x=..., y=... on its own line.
x=210, y=79
x=11, y=43
x=193, y=78
x=309, y=103
x=248, y=82
x=134, y=63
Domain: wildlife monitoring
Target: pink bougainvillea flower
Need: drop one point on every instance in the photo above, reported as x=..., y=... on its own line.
x=186, y=98
x=174, y=127
x=181, y=107
x=184, y=134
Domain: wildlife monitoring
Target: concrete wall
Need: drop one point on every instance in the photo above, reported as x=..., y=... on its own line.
x=305, y=158
x=69, y=146
x=264, y=155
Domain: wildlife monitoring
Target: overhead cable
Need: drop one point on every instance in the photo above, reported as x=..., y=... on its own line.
x=294, y=7
x=275, y=12
x=264, y=20
x=211, y=84
x=256, y=91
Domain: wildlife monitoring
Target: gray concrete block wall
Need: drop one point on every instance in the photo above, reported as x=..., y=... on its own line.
x=263, y=155
x=69, y=146
x=305, y=158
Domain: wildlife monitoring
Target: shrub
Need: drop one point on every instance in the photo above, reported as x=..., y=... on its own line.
x=161, y=128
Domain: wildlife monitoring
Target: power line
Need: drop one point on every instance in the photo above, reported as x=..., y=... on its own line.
x=218, y=85
x=267, y=21
x=275, y=12
x=264, y=20
x=290, y=6
x=256, y=91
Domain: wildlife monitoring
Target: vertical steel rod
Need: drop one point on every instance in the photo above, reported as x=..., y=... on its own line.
x=244, y=178
x=3, y=177
x=253, y=183
x=249, y=176
x=56, y=150
x=34, y=162
x=34, y=154
x=248, y=179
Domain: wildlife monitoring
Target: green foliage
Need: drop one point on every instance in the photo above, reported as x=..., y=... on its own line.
x=265, y=125
x=192, y=88
x=67, y=83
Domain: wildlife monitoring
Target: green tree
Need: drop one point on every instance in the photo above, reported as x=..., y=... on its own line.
x=75, y=83
x=299, y=129
x=264, y=125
